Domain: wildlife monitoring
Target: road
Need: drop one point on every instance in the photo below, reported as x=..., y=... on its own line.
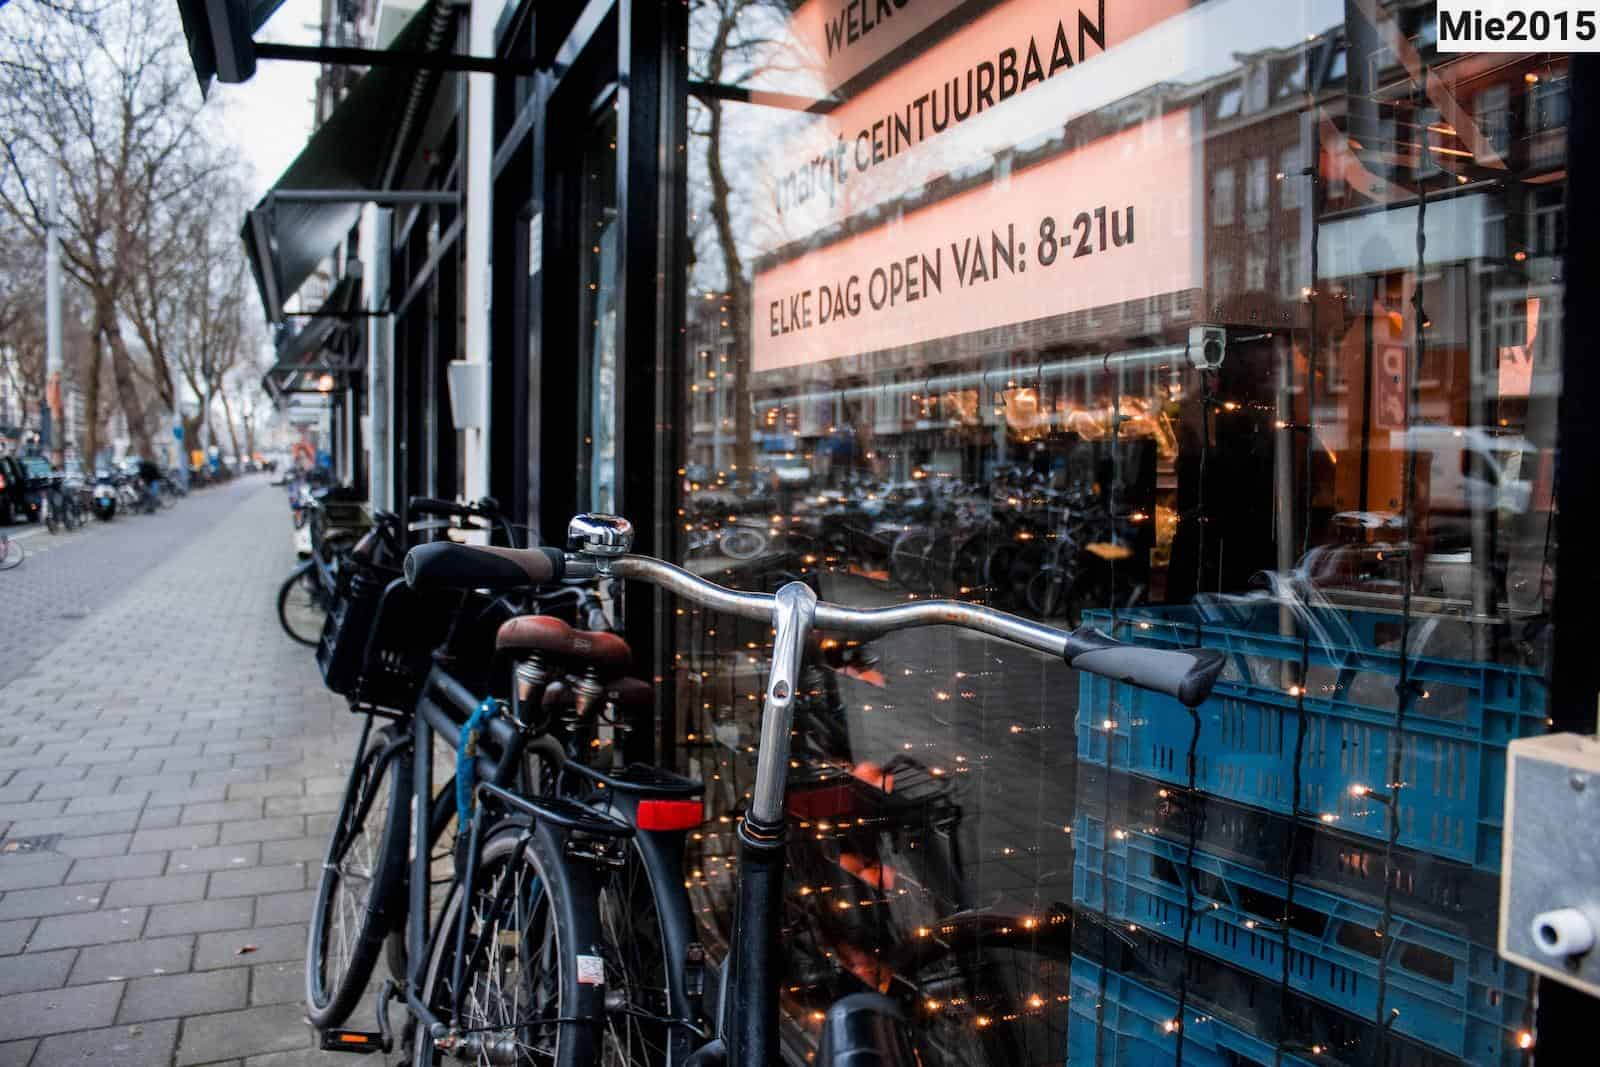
x=66, y=578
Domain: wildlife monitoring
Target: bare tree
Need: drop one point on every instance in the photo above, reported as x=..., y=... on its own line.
x=103, y=98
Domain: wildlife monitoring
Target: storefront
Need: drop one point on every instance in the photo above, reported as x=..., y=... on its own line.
x=1237, y=323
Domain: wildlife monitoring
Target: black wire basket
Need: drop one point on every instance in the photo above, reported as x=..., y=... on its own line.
x=372, y=650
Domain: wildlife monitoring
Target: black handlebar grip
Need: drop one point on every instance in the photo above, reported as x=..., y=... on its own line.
x=446, y=565
x=430, y=505
x=1185, y=674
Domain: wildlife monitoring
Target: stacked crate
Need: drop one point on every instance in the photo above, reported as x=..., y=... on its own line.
x=1339, y=911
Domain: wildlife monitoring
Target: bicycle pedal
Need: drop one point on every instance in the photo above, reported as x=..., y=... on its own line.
x=359, y=1042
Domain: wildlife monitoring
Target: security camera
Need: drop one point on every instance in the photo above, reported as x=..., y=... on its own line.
x=1207, y=346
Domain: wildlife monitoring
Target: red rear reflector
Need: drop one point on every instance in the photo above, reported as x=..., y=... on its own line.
x=355, y=1039
x=670, y=814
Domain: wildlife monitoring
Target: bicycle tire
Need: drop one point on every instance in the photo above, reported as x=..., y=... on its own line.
x=11, y=553
x=302, y=620
x=908, y=561
x=637, y=966
x=380, y=784
x=742, y=544
x=521, y=894
x=53, y=513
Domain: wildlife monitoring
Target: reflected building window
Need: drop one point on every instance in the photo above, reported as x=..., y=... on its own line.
x=1222, y=197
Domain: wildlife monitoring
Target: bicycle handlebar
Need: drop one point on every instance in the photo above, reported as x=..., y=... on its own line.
x=1187, y=675
x=429, y=505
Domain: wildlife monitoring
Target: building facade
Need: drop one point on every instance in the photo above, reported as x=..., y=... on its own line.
x=1237, y=323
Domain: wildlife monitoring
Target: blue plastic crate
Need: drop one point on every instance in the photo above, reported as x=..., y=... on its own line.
x=1450, y=993
x=1135, y=1029
x=1453, y=736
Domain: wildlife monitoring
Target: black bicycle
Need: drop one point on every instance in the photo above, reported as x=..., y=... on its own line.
x=564, y=935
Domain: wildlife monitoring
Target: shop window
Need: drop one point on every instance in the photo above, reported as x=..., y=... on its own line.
x=933, y=418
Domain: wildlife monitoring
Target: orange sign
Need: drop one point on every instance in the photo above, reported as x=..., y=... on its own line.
x=1020, y=69
x=1112, y=222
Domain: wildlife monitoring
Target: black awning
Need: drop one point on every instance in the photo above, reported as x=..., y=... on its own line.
x=219, y=35
x=286, y=238
x=329, y=343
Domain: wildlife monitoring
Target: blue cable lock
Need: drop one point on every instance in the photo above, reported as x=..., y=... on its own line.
x=467, y=759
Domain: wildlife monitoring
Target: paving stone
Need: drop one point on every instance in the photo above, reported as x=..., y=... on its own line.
x=303, y=849
x=254, y=881
x=35, y=970
x=277, y=983
x=99, y=845
x=310, y=1056
x=224, y=811
x=167, y=889
x=143, y=1045
x=106, y=868
x=132, y=959
x=269, y=788
x=215, y=858
x=264, y=829
x=52, y=901
x=55, y=1011
x=91, y=928
x=189, y=794
x=179, y=995
x=285, y=907
x=201, y=916
x=159, y=818
x=90, y=805
x=75, y=825
x=29, y=872
x=272, y=944
x=276, y=1028
x=14, y=934
x=17, y=1053
x=174, y=838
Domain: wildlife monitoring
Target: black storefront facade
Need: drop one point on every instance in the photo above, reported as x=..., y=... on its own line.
x=1237, y=323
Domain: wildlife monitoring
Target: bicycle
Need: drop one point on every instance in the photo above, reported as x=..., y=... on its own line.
x=533, y=862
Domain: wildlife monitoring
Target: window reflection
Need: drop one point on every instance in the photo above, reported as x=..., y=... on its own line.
x=1351, y=496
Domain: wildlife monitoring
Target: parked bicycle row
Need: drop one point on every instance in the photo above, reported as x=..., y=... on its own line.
x=550, y=920
x=65, y=499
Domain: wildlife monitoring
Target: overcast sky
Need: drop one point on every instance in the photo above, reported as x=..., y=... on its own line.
x=269, y=117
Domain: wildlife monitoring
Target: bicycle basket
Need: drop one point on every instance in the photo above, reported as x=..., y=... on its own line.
x=343, y=646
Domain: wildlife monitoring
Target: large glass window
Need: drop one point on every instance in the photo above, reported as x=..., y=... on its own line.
x=996, y=301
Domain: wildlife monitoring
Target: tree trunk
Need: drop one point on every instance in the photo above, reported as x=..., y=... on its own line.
x=227, y=414
x=737, y=295
x=127, y=389
x=91, y=405
x=192, y=424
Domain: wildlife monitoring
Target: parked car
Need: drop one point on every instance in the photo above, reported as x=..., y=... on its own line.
x=23, y=480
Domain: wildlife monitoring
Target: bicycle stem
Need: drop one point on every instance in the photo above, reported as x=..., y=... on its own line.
x=749, y=1021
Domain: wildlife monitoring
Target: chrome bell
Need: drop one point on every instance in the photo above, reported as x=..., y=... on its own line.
x=600, y=535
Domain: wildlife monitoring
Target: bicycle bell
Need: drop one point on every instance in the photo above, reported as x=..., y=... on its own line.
x=606, y=536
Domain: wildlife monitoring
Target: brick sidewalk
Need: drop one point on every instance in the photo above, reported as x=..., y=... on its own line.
x=183, y=762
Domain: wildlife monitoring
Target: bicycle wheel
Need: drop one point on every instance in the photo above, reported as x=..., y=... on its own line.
x=301, y=608
x=742, y=544
x=10, y=553
x=520, y=995
x=908, y=561
x=52, y=508
x=361, y=878
x=640, y=998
